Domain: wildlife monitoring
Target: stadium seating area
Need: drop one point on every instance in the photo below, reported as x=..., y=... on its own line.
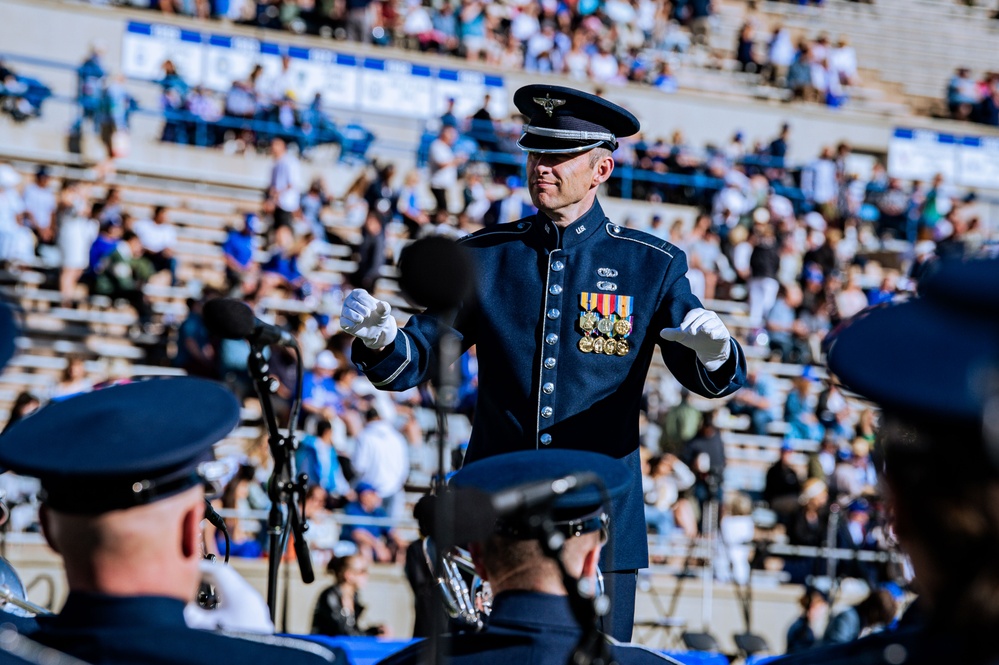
x=221, y=188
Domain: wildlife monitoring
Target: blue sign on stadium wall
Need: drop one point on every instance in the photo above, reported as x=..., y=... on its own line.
x=965, y=161
x=369, y=85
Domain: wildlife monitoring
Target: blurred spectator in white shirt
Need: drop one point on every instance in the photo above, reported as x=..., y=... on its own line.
x=40, y=205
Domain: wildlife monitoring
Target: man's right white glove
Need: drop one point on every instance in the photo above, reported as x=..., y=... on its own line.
x=241, y=608
x=368, y=319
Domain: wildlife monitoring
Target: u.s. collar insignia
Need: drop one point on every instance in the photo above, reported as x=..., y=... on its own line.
x=548, y=104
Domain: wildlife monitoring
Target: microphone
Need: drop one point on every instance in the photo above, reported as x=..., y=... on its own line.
x=231, y=319
x=436, y=272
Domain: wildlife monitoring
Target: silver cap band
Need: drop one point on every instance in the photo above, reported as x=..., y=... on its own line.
x=570, y=134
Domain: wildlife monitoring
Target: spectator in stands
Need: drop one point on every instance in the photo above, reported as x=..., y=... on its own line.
x=380, y=195
x=159, y=239
x=25, y=404
x=962, y=94
x=314, y=202
x=243, y=494
x=370, y=253
x=802, y=634
x=804, y=424
x=115, y=109
x=822, y=463
x=40, y=206
x=123, y=274
x=411, y=213
x=764, y=263
x=754, y=400
x=77, y=228
x=705, y=456
x=90, y=85
x=808, y=527
x=284, y=194
x=876, y=611
x=744, y=55
x=381, y=460
x=925, y=262
x=833, y=411
x=780, y=55
x=443, y=163
x=317, y=457
x=679, y=425
x=174, y=102
x=375, y=542
x=843, y=62
x=666, y=509
x=73, y=380
x=237, y=251
x=195, y=351
x=321, y=401
x=281, y=269
x=339, y=606
x=783, y=486
x=17, y=242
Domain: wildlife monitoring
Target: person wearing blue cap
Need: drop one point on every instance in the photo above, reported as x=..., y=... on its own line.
x=531, y=619
x=932, y=365
x=568, y=310
x=122, y=474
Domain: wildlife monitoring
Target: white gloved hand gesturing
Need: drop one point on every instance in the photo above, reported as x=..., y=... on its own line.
x=705, y=333
x=368, y=319
x=241, y=608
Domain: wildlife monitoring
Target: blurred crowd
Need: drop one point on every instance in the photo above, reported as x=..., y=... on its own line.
x=608, y=42
x=974, y=100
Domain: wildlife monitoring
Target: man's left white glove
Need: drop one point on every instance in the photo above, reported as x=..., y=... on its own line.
x=241, y=608
x=705, y=333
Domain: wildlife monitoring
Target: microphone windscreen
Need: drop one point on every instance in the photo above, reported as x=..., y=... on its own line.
x=436, y=272
x=229, y=318
x=461, y=516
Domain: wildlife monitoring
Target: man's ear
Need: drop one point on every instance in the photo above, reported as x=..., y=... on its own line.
x=45, y=520
x=190, y=535
x=603, y=170
x=591, y=560
x=475, y=550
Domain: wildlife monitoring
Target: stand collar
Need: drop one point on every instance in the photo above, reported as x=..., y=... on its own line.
x=555, y=237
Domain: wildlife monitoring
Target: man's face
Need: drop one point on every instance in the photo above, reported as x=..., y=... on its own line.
x=559, y=180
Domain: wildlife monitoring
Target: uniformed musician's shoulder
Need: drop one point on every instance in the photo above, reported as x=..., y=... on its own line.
x=627, y=653
x=461, y=646
x=291, y=649
x=496, y=234
x=639, y=237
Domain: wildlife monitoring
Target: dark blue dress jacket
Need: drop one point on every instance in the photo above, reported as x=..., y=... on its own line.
x=114, y=630
x=524, y=628
x=536, y=386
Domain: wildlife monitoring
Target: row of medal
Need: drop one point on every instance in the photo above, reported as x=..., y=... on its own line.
x=605, y=323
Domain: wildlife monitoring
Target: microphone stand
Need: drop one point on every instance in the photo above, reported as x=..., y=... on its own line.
x=446, y=385
x=285, y=489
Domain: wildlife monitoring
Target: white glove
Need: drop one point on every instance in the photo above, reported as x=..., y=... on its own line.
x=368, y=319
x=241, y=608
x=705, y=333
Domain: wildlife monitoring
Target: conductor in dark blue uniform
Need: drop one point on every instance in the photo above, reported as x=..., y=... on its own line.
x=123, y=505
x=531, y=620
x=568, y=310
x=933, y=366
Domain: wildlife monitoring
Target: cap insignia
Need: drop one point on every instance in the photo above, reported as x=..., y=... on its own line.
x=549, y=104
